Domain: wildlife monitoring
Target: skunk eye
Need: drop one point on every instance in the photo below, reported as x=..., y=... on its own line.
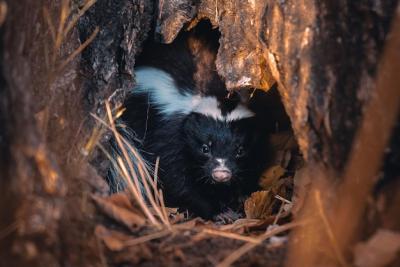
x=239, y=152
x=205, y=149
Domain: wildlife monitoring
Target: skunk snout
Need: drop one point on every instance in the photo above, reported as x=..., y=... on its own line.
x=221, y=173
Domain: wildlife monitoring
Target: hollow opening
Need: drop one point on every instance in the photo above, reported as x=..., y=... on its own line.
x=218, y=154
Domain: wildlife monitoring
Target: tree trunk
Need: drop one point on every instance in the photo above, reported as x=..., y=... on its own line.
x=322, y=54
x=47, y=93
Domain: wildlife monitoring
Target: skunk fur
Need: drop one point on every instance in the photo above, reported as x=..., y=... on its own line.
x=212, y=147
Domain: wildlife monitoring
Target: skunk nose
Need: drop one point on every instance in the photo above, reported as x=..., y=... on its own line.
x=221, y=175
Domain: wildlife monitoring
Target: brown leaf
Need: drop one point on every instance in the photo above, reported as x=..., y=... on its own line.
x=380, y=250
x=114, y=240
x=259, y=205
x=281, y=187
x=122, y=200
x=122, y=214
x=271, y=176
x=119, y=243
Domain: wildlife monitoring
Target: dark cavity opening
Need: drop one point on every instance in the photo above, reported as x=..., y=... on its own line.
x=190, y=62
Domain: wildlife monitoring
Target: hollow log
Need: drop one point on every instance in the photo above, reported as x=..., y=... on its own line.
x=322, y=54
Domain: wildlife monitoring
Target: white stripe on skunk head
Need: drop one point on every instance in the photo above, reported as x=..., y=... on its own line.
x=168, y=99
x=209, y=106
x=163, y=91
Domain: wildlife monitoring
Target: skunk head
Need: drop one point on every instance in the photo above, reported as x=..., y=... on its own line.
x=220, y=151
x=220, y=136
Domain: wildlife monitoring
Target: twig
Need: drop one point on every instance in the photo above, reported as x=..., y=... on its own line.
x=75, y=19
x=232, y=236
x=278, y=216
x=328, y=229
x=64, y=14
x=131, y=177
x=283, y=199
x=146, y=177
x=133, y=187
x=146, y=238
x=249, y=246
x=79, y=49
x=50, y=24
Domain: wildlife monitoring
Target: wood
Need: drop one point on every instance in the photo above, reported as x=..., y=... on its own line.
x=322, y=54
x=309, y=48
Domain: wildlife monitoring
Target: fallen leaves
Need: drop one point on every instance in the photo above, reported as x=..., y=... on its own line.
x=114, y=240
x=118, y=243
x=134, y=242
x=276, y=181
x=262, y=209
x=119, y=208
x=271, y=176
x=259, y=205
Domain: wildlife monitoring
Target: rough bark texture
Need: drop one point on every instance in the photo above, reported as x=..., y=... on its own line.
x=32, y=184
x=45, y=122
x=309, y=48
x=323, y=55
x=109, y=61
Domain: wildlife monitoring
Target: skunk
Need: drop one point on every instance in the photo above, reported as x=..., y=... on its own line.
x=212, y=146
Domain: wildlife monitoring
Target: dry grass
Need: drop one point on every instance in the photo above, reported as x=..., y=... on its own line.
x=328, y=228
x=143, y=187
x=237, y=254
x=67, y=21
x=134, y=172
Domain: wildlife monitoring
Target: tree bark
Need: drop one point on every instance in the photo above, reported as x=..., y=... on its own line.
x=48, y=90
x=309, y=48
x=322, y=54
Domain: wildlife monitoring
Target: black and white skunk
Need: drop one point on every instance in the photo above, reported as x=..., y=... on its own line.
x=212, y=146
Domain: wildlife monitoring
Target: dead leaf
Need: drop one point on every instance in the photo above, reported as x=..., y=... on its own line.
x=259, y=205
x=282, y=186
x=271, y=176
x=122, y=214
x=239, y=225
x=119, y=243
x=380, y=250
x=114, y=240
x=122, y=200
